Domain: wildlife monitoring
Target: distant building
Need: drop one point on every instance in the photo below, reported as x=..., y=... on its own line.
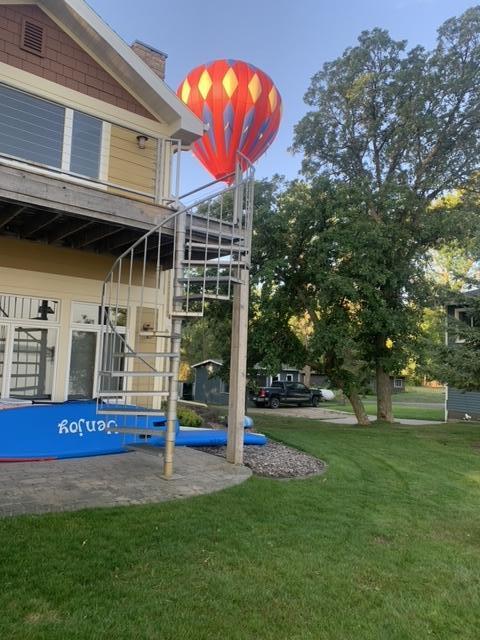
x=398, y=384
x=460, y=404
x=208, y=387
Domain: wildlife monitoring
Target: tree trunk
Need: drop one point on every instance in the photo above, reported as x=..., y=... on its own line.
x=307, y=373
x=359, y=409
x=384, y=396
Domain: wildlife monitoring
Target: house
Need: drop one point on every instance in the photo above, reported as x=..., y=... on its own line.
x=398, y=384
x=100, y=262
x=458, y=403
x=88, y=129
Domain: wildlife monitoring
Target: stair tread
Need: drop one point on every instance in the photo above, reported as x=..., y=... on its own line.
x=147, y=431
x=138, y=394
x=136, y=374
x=146, y=354
x=213, y=265
x=216, y=247
x=206, y=279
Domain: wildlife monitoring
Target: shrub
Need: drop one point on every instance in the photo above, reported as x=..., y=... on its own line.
x=188, y=418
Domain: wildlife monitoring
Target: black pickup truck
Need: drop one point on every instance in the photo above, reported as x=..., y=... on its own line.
x=291, y=393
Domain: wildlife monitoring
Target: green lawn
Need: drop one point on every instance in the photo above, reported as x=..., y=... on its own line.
x=399, y=411
x=405, y=405
x=420, y=394
x=384, y=546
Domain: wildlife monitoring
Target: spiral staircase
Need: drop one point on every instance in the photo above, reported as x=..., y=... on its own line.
x=199, y=253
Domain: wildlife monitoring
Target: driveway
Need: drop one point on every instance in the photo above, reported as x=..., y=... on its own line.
x=319, y=413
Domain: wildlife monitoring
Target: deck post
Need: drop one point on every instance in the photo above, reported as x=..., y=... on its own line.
x=238, y=370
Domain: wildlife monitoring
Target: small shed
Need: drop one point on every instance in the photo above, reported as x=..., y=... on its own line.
x=397, y=383
x=208, y=387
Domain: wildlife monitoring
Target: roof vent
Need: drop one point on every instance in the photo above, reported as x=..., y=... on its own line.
x=33, y=39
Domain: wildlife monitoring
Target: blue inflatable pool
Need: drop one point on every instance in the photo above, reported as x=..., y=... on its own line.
x=74, y=430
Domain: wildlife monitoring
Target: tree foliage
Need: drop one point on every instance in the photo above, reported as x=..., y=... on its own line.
x=396, y=128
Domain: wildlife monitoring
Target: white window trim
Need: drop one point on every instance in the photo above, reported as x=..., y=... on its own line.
x=67, y=140
x=105, y=151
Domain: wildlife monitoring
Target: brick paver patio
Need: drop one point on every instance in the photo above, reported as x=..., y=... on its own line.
x=106, y=481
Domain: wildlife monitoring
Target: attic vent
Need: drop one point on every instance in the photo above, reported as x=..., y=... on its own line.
x=33, y=39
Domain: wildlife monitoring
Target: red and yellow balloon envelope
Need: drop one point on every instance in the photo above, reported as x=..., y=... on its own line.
x=242, y=108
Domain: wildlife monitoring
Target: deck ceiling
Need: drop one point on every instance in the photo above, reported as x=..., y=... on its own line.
x=61, y=229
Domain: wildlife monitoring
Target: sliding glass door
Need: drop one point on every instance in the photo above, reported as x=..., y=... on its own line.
x=83, y=356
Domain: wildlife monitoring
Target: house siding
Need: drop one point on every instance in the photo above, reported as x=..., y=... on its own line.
x=64, y=61
x=129, y=166
x=461, y=402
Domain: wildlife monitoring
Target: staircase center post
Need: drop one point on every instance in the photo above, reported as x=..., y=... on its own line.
x=179, y=255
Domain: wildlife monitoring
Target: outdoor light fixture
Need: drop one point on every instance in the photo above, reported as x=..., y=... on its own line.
x=210, y=369
x=142, y=141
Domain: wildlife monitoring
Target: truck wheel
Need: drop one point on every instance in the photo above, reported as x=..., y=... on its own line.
x=315, y=401
x=274, y=403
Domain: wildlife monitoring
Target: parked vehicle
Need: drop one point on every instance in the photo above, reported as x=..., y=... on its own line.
x=327, y=394
x=290, y=393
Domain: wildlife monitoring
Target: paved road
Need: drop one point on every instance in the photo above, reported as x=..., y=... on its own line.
x=319, y=413
x=106, y=481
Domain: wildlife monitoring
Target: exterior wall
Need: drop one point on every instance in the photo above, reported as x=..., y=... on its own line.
x=54, y=77
x=461, y=402
x=209, y=390
x=70, y=276
x=64, y=61
x=130, y=166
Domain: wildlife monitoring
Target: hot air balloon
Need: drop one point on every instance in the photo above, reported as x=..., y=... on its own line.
x=240, y=106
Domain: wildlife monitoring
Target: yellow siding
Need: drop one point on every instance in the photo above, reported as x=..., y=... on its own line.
x=129, y=166
x=34, y=269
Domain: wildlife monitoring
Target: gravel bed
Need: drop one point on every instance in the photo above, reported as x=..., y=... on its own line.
x=275, y=460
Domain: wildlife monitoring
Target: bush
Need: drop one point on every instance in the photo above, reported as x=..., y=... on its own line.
x=188, y=418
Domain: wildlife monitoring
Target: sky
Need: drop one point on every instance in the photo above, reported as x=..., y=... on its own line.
x=288, y=39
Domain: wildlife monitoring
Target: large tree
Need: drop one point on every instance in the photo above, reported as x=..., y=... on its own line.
x=399, y=127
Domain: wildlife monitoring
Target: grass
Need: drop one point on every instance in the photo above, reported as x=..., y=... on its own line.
x=399, y=411
x=385, y=545
x=420, y=394
x=406, y=405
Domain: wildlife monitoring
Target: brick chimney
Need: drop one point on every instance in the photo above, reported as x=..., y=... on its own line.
x=154, y=58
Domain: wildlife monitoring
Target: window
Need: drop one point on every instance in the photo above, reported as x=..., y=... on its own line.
x=32, y=363
x=289, y=377
x=31, y=128
x=22, y=308
x=86, y=145
x=28, y=346
x=463, y=315
x=42, y=132
x=398, y=383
